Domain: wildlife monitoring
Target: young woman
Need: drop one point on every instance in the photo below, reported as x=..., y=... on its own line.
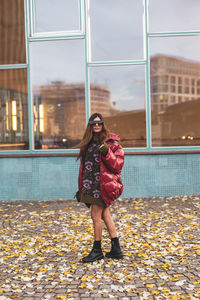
x=100, y=181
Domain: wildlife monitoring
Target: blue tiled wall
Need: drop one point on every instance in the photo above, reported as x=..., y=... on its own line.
x=49, y=178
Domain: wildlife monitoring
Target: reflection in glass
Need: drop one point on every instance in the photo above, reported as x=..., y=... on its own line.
x=118, y=92
x=116, y=29
x=58, y=93
x=175, y=106
x=12, y=32
x=13, y=110
x=56, y=15
x=174, y=15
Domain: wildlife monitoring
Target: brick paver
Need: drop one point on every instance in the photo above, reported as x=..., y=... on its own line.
x=42, y=242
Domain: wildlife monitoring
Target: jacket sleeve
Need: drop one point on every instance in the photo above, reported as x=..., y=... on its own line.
x=114, y=159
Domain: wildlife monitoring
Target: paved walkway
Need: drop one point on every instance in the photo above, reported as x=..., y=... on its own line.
x=42, y=242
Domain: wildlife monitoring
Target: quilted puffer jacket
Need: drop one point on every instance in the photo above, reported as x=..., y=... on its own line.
x=111, y=165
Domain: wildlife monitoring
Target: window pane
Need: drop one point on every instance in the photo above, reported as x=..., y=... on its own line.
x=56, y=15
x=119, y=94
x=175, y=109
x=12, y=32
x=174, y=15
x=116, y=29
x=13, y=110
x=58, y=92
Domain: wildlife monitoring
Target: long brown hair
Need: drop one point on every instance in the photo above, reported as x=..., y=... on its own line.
x=88, y=135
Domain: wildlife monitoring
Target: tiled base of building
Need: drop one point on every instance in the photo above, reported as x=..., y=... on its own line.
x=51, y=178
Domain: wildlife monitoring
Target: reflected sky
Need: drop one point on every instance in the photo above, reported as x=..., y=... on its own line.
x=116, y=30
x=57, y=61
x=56, y=15
x=125, y=83
x=174, y=15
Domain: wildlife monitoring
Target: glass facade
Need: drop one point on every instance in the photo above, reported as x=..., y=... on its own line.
x=136, y=62
x=13, y=82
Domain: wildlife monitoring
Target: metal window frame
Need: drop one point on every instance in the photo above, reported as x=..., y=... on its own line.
x=31, y=36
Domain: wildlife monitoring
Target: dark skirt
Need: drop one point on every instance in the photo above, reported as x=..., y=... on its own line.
x=88, y=200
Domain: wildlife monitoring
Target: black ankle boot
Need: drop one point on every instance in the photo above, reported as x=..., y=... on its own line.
x=115, y=251
x=95, y=254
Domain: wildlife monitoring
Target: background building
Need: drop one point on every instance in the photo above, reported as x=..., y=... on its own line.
x=62, y=60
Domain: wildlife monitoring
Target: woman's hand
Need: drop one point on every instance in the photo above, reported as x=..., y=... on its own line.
x=103, y=149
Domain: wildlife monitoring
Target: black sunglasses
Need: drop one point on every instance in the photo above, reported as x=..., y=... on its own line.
x=100, y=122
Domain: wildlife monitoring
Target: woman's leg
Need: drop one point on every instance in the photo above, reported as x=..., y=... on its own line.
x=108, y=220
x=115, y=251
x=96, y=252
x=96, y=213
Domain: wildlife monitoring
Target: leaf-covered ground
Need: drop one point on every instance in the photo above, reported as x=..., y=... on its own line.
x=42, y=242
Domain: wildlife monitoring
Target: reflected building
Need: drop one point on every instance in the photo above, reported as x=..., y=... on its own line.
x=100, y=96
x=59, y=112
x=13, y=82
x=130, y=126
x=175, y=88
x=13, y=109
x=12, y=32
x=181, y=123
x=173, y=80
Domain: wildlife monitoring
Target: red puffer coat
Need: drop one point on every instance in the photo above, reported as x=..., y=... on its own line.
x=111, y=165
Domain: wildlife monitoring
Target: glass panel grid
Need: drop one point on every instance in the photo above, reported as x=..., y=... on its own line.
x=190, y=86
